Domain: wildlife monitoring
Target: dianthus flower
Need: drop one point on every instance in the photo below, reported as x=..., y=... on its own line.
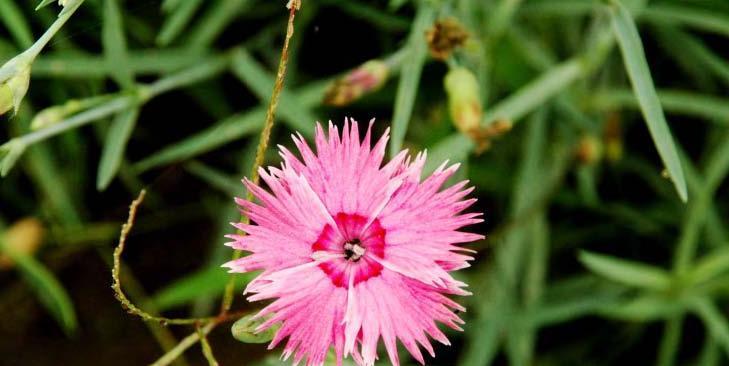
x=352, y=250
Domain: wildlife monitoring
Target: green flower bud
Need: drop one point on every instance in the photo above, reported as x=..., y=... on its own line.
x=365, y=79
x=6, y=99
x=244, y=330
x=464, y=100
x=13, y=90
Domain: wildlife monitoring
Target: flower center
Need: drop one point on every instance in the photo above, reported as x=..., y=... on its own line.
x=353, y=250
x=356, y=246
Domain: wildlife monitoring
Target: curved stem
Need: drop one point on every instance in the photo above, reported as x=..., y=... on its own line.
x=116, y=272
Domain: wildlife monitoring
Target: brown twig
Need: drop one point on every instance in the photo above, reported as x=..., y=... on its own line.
x=116, y=273
x=293, y=6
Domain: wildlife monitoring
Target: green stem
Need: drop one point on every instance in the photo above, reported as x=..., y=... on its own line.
x=184, y=344
x=669, y=343
x=121, y=102
x=65, y=15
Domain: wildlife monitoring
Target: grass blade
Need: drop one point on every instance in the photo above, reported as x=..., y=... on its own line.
x=115, y=44
x=46, y=286
x=176, y=22
x=207, y=282
x=640, y=76
x=712, y=108
x=534, y=94
x=219, y=134
x=116, y=141
x=626, y=272
x=214, y=21
x=407, y=88
x=250, y=72
x=14, y=20
x=702, y=19
x=713, y=320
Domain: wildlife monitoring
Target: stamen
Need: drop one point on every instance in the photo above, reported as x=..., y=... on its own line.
x=353, y=250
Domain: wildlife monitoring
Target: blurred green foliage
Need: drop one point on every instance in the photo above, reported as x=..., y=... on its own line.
x=605, y=203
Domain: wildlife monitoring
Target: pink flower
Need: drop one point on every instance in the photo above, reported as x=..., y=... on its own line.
x=353, y=251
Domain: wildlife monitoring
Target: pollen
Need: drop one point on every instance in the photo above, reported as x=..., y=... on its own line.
x=353, y=250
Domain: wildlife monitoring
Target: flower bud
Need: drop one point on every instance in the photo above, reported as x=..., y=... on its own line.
x=244, y=330
x=24, y=237
x=464, y=100
x=444, y=37
x=367, y=78
x=57, y=113
x=6, y=99
x=13, y=89
x=589, y=150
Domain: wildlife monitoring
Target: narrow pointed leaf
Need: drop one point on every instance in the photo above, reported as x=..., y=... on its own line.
x=116, y=142
x=626, y=272
x=14, y=20
x=410, y=74
x=48, y=289
x=714, y=320
x=115, y=44
x=640, y=76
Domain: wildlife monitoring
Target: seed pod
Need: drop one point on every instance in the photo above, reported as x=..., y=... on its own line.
x=365, y=79
x=464, y=100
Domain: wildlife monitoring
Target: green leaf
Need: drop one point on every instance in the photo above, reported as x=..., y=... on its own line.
x=536, y=93
x=215, y=178
x=407, y=88
x=640, y=76
x=10, y=152
x=713, y=319
x=643, y=308
x=14, y=20
x=115, y=44
x=702, y=19
x=626, y=272
x=44, y=3
x=141, y=62
x=712, y=108
x=177, y=21
x=229, y=130
x=214, y=21
x=209, y=281
x=114, y=145
x=252, y=74
x=709, y=266
x=454, y=148
x=221, y=133
x=48, y=289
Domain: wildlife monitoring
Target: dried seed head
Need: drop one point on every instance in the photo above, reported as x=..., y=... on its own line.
x=444, y=37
